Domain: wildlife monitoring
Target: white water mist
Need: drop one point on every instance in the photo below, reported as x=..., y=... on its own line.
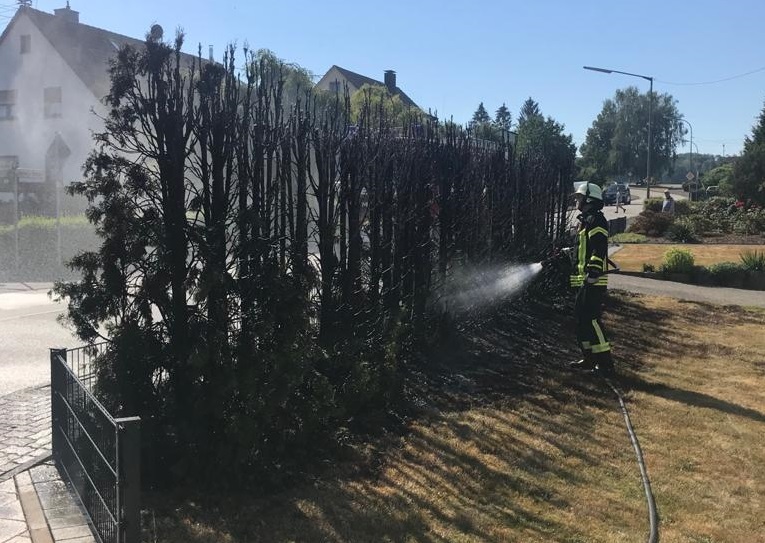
x=481, y=288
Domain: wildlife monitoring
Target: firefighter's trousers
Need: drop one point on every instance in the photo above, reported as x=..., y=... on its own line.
x=588, y=308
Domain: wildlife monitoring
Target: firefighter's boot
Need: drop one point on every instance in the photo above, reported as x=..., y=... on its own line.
x=604, y=364
x=585, y=364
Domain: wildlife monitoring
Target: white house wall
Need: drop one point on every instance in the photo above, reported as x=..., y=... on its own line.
x=29, y=134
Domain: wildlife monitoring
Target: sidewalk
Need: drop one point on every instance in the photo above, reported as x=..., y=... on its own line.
x=36, y=506
x=24, y=430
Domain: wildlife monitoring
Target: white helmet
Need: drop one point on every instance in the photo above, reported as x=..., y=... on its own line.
x=590, y=190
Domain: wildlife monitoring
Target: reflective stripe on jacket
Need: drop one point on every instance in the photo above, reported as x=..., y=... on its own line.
x=592, y=249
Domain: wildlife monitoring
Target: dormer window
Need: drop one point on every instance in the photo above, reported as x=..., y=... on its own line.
x=26, y=43
x=7, y=104
x=52, y=98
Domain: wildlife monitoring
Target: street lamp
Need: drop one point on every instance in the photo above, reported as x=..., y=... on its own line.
x=691, y=149
x=650, y=114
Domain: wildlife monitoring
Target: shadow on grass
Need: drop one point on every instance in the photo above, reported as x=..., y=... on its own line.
x=461, y=470
x=696, y=399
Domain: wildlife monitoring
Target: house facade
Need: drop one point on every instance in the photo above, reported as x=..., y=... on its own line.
x=53, y=75
x=337, y=78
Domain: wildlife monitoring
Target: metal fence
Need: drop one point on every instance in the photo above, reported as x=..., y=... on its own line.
x=98, y=453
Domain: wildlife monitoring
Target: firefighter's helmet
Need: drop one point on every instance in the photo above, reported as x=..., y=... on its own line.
x=590, y=190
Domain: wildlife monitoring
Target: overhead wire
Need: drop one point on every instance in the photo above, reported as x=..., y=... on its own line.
x=712, y=82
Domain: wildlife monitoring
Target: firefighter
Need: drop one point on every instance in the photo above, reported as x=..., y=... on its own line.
x=591, y=280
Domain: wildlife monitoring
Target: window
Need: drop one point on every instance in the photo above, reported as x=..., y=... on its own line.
x=52, y=102
x=7, y=104
x=26, y=43
x=334, y=86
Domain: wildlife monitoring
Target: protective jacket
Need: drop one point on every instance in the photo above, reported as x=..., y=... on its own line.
x=592, y=258
x=591, y=249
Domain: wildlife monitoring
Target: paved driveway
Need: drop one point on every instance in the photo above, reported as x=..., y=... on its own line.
x=683, y=291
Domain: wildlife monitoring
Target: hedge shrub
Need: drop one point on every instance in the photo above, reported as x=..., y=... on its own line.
x=681, y=232
x=651, y=224
x=38, y=258
x=677, y=261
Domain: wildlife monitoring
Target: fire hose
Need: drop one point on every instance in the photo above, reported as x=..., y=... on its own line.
x=653, y=516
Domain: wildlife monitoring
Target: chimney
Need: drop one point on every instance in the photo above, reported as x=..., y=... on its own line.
x=67, y=14
x=390, y=80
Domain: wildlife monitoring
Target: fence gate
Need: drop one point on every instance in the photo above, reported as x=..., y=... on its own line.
x=98, y=453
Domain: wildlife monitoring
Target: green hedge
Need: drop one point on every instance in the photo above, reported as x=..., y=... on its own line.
x=38, y=260
x=682, y=207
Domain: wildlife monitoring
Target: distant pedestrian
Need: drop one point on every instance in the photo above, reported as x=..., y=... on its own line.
x=669, y=203
x=619, y=199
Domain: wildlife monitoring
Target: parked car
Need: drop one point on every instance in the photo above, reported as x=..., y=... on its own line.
x=609, y=194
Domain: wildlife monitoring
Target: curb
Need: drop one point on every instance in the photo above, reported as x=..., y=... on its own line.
x=39, y=531
x=25, y=466
x=33, y=387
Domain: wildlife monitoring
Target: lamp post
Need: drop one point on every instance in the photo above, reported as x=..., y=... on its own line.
x=691, y=153
x=650, y=114
x=691, y=145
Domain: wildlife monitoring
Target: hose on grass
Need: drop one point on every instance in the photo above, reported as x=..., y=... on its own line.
x=653, y=516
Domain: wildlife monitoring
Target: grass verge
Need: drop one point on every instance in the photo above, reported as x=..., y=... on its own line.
x=632, y=257
x=512, y=447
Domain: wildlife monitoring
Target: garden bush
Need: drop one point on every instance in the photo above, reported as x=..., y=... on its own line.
x=626, y=237
x=681, y=232
x=699, y=224
x=726, y=273
x=677, y=261
x=682, y=207
x=753, y=261
x=651, y=224
x=653, y=204
x=38, y=252
x=749, y=222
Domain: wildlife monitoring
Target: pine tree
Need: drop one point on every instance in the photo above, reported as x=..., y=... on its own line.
x=480, y=116
x=749, y=170
x=529, y=110
x=502, y=118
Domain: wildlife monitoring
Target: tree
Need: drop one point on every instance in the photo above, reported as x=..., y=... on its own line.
x=721, y=176
x=617, y=142
x=749, y=169
x=502, y=118
x=547, y=135
x=529, y=110
x=480, y=116
x=373, y=103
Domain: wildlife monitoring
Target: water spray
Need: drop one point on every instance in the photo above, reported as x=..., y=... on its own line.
x=480, y=288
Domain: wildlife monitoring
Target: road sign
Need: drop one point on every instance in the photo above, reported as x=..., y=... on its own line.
x=690, y=176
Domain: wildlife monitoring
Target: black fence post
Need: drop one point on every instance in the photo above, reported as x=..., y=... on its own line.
x=130, y=478
x=55, y=388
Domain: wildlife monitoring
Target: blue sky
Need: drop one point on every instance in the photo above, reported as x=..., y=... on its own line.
x=451, y=55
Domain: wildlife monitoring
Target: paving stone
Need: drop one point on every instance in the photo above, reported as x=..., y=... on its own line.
x=11, y=528
x=7, y=497
x=44, y=472
x=8, y=486
x=24, y=427
x=69, y=533
x=67, y=511
x=23, y=538
x=58, y=501
x=12, y=511
x=87, y=539
x=70, y=521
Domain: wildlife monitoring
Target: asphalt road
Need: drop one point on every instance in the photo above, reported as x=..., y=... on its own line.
x=28, y=329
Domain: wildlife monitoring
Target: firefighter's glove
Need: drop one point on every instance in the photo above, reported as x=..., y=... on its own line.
x=592, y=276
